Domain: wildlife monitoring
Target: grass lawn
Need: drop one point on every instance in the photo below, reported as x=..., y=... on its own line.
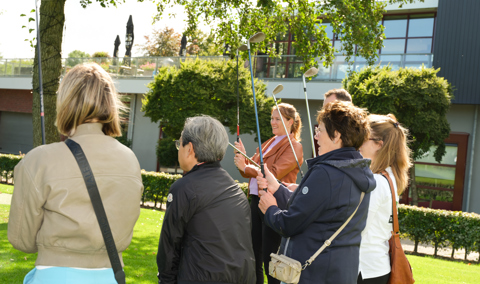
x=140, y=257
x=4, y=188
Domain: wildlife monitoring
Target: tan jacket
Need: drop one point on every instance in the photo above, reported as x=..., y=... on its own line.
x=280, y=160
x=51, y=211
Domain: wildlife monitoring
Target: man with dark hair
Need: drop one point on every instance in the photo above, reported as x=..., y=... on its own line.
x=336, y=95
x=205, y=236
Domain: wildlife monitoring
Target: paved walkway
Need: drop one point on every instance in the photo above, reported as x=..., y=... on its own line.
x=407, y=245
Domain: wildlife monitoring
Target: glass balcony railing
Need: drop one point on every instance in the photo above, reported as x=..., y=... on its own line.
x=285, y=67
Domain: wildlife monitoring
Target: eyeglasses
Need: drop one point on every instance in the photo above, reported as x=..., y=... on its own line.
x=317, y=129
x=177, y=144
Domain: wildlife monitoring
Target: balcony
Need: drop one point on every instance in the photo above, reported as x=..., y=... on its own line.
x=287, y=67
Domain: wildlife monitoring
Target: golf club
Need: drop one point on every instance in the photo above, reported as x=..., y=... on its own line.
x=258, y=37
x=310, y=72
x=238, y=106
x=277, y=90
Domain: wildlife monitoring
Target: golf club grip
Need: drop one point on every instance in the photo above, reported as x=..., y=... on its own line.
x=238, y=133
x=262, y=169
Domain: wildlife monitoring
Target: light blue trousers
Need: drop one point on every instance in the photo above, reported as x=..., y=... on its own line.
x=64, y=275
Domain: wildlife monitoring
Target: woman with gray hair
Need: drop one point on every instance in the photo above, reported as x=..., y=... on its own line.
x=205, y=235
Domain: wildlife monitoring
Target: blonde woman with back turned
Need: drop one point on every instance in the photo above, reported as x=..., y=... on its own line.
x=388, y=150
x=51, y=211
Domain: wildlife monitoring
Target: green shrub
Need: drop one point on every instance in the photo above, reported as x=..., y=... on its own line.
x=7, y=165
x=442, y=228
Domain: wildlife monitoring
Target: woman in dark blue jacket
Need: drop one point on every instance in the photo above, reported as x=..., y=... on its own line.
x=326, y=197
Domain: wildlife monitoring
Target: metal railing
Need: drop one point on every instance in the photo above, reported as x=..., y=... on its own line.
x=285, y=67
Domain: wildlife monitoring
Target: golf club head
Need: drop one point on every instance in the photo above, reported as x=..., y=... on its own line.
x=243, y=47
x=311, y=72
x=278, y=89
x=258, y=37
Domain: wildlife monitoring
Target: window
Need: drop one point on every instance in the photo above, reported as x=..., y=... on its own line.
x=408, y=33
x=440, y=185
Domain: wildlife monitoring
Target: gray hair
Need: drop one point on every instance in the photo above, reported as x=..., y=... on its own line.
x=208, y=136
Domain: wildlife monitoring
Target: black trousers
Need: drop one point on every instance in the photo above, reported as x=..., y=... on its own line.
x=377, y=280
x=265, y=241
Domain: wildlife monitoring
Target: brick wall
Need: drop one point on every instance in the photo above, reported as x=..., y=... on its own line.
x=16, y=100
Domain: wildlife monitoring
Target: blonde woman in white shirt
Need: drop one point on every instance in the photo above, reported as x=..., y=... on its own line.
x=388, y=150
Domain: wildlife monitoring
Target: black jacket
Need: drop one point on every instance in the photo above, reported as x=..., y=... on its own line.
x=205, y=236
x=325, y=198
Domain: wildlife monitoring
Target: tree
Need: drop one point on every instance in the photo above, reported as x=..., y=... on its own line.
x=164, y=42
x=52, y=20
x=355, y=22
x=206, y=87
x=201, y=44
x=75, y=56
x=418, y=99
x=167, y=153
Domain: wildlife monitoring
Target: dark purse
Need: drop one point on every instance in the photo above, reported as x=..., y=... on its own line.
x=401, y=272
x=98, y=208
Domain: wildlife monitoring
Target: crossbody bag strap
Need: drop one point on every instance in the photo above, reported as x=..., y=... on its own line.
x=98, y=208
x=329, y=241
x=396, y=228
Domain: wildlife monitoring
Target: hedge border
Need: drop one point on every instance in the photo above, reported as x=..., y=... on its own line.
x=441, y=228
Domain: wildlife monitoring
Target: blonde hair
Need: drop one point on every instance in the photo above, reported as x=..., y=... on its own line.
x=288, y=112
x=394, y=151
x=87, y=95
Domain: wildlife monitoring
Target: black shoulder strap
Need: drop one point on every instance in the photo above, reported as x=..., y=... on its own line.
x=98, y=208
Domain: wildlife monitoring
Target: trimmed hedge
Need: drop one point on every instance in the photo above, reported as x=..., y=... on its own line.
x=156, y=186
x=442, y=228
x=7, y=164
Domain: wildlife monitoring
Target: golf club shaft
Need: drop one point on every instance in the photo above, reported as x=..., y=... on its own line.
x=238, y=106
x=310, y=129
x=288, y=136
x=256, y=113
x=42, y=117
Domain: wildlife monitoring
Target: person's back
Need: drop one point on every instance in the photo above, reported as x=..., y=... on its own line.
x=69, y=234
x=205, y=234
x=51, y=210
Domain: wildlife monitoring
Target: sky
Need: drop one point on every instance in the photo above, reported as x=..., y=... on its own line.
x=89, y=30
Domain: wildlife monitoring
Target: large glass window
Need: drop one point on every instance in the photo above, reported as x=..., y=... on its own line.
x=408, y=33
x=408, y=43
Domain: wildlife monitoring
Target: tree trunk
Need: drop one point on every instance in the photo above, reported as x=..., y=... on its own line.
x=413, y=186
x=52, y=19
x=415, y=249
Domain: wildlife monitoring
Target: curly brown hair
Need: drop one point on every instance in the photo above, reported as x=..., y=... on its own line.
x=348, y=120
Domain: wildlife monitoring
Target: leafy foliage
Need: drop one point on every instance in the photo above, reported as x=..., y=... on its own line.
x=167, y=153
x=164, y=42
x=100, y=54
x=356, y=23
x=207, y=87
x=74, y=57
x=7, y=165
x=417, y=97
x=440, y=227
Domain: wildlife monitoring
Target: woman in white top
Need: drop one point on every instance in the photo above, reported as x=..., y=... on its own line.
x=388, y=150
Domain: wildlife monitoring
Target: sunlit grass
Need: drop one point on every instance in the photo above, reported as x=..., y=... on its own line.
x=5, y=188
x=141, y=267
